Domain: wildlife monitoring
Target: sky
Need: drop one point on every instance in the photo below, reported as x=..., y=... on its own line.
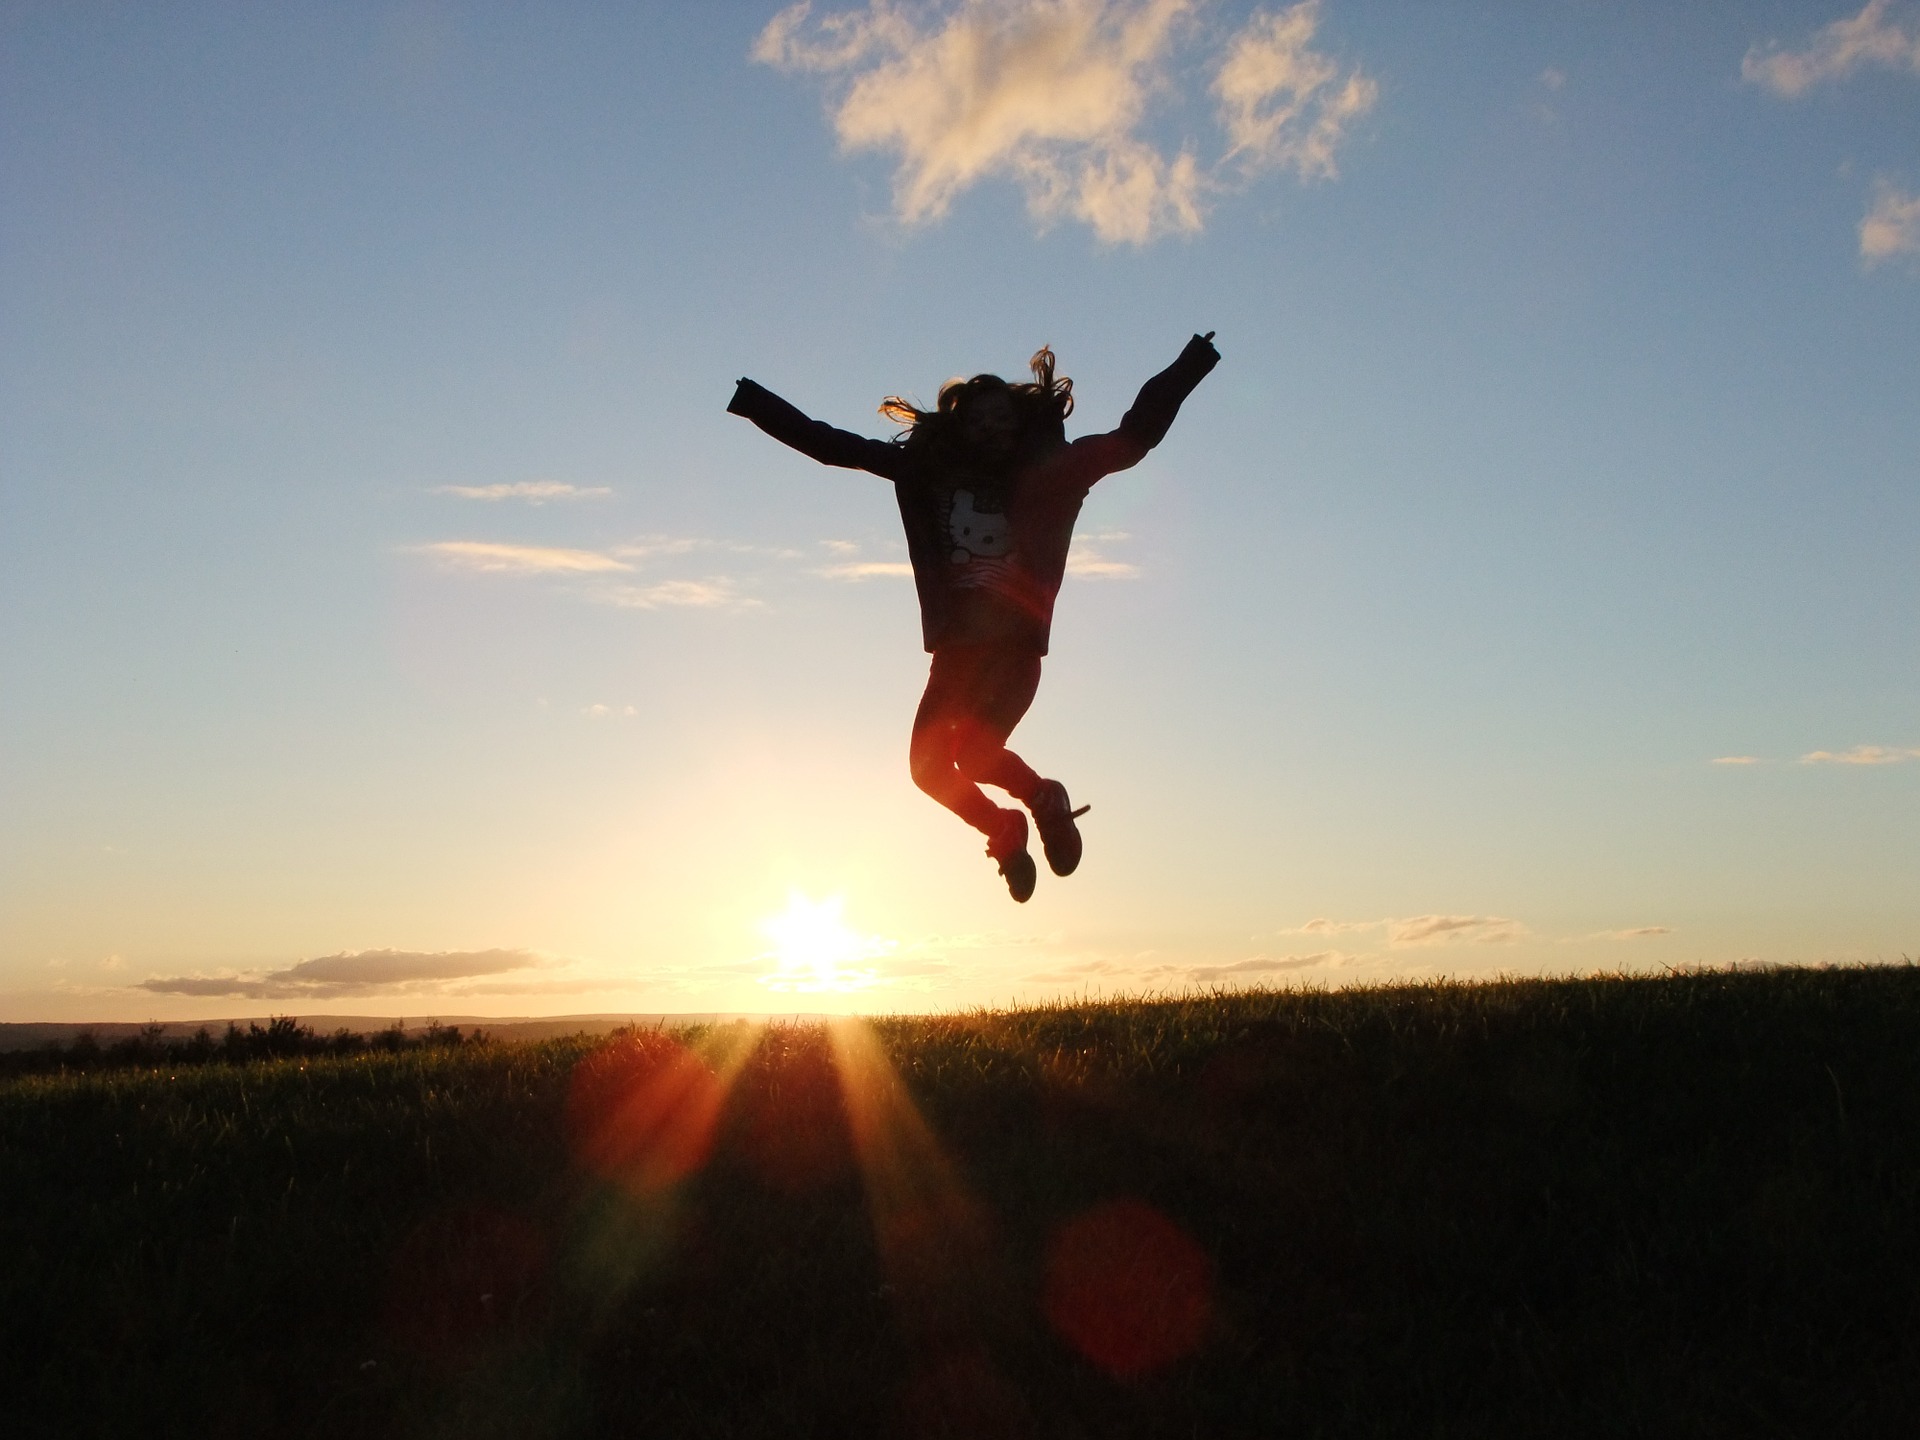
x=392, y=620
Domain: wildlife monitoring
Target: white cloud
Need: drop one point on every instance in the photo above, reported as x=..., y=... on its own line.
x=1843, y=47
x=1638, y=932
x=1445, y=929
x=1861, y=755
x=364, y=972
x=1283, y=104
x=1892, y=226
x=492, y=558
x=534, y=492
x=1737, y=760
x=1052, y=94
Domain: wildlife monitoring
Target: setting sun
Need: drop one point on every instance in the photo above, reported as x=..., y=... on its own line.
x=816, y=953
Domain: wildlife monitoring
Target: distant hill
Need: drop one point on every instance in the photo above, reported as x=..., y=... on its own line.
x=33, y=1035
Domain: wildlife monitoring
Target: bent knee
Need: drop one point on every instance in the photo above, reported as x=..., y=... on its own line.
x=932, y=766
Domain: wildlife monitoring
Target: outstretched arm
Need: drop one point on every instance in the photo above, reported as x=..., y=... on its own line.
x=1159, y=400
x=813, y=438
x=1146, y=424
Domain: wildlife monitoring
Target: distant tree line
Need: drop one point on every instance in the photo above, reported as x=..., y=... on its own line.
x=282, y=1036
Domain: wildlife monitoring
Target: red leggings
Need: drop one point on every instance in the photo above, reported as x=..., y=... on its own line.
x=975, y=695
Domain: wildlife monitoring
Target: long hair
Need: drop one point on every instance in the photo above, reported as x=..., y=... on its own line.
x=1042, y=405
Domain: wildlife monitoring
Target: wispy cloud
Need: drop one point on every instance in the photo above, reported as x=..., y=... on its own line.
x=1891, y=226
x=1861, y=755
x=594, y=573
x=1149, y=970
x=715, y=593
x=491, y=557
x=1052, y=95
x=654, y=547
x=1260, y=965
x=1088, y=560
x=1449, y=929
x=1737, y=760
x=1321, y=925
x=867, y=570
x=534, y=492
x=1834, y=53
x=364, y=972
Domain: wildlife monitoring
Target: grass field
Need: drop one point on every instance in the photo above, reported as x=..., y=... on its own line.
x=1686, y=1205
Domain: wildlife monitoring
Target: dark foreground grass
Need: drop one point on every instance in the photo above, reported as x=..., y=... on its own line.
x=1677, y=1206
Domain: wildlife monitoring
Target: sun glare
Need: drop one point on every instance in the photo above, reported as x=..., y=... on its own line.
x=816, y=953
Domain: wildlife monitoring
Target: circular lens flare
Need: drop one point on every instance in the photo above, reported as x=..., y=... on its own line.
x=1128, y=1288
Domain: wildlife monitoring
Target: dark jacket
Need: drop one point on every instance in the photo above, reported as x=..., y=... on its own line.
x=1044, y=492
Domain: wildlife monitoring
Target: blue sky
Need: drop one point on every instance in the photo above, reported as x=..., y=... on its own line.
x=383, y=590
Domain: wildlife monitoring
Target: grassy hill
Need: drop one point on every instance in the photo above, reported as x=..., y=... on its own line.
x=1676, y=1206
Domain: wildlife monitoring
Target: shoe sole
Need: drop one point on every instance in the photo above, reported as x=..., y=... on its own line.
x=1061, y=841
x=1016, y=866
x=1021, y=875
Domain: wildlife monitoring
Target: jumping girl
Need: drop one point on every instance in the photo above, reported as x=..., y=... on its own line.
x=989, y=488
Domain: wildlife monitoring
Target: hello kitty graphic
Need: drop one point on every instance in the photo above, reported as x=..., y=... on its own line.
x=976, y=532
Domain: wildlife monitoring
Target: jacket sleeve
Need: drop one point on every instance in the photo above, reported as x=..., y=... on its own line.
x=814, y=438
x=1152, y=414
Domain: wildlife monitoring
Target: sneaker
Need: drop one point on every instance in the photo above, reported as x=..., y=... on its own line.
x=1053, y=812
x=1008, y=846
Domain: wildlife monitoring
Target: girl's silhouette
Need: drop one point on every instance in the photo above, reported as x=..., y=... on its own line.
x=989, y=487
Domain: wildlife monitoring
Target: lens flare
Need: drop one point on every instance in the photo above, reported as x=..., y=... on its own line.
x=643, y=1108
x=816, y=953
x=1128, y=1288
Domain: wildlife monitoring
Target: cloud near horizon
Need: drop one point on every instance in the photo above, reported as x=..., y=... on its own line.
x=534, y=492
x=364, y=972
x=492, y=558
x=1446, y=929
x=1321, y=925
x=1052, y=94
x=867, y=570
x=1137, y=972
x=1424, y=929
x=1861, y=755
x=716, y=592
x=1260, y=965
x=1833, y=54
x=594, y=571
